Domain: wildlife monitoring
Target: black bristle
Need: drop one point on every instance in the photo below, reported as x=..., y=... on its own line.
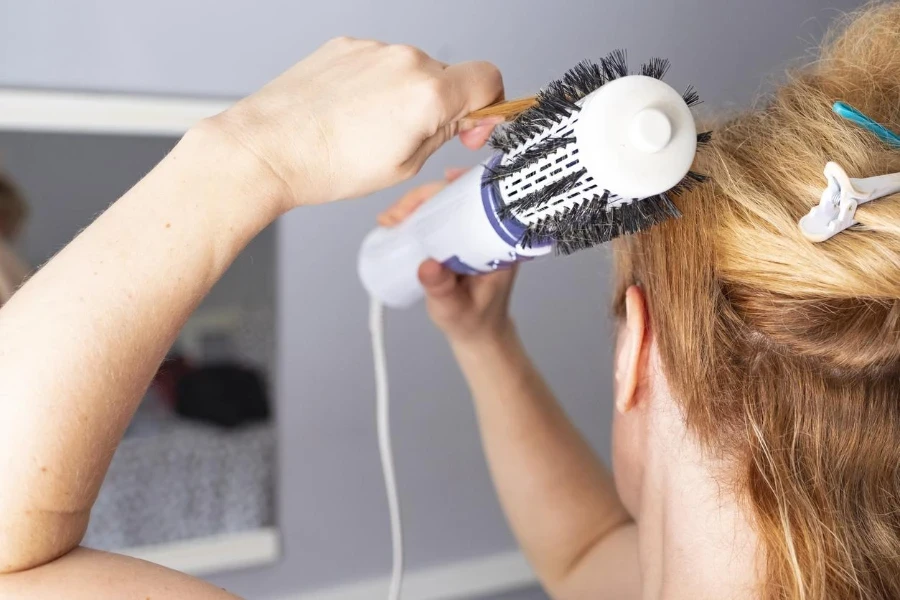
x=690, y=181
x=691, y=96
x=704, y=138
x=554, y=103
x=595, y=222
x=656, y=68
x=627, y=219
x=615, y=65
x=571, y=225
x=586, y=77
x=558, y=100
x=552, y=106
x=529, y=157
x=542, y=195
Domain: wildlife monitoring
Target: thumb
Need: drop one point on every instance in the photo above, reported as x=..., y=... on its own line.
x=438, y=281
x=443, y=288
x=476, y=137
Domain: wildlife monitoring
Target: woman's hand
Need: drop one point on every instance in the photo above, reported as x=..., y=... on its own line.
x=470, y=310
x=358, y=116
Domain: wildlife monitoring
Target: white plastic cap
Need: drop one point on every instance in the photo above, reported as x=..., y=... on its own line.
x=636, y=135
x=651, y=130
x=388, y=266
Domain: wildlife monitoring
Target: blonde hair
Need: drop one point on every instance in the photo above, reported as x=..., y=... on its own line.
x=785, y=355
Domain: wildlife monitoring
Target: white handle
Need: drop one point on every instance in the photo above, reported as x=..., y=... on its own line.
x=458, y=227
x=389, y=265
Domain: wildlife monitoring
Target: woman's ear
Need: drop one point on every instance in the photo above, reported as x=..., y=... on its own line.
x=629, y=364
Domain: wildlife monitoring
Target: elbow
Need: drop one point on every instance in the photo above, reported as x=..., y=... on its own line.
x=32, y=541
x=577, y=575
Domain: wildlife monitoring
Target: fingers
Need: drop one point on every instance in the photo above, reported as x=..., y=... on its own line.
x=438, y=281
x=444, y=289
x=473, y=139
x=430, y=146
x=477, y=136
x=451, y=174
x=412, y=200
x=408, y=204
x=502, y=279
x=493, y=286
x=470, y=86
x=465, y=87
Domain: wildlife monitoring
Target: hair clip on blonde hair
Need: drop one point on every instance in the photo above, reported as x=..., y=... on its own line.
x=836, y=210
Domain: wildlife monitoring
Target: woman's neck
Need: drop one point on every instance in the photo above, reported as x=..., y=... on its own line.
x=696, y=541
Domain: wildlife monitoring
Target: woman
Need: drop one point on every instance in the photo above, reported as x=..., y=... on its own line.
x=756, y=436
x=757, y=427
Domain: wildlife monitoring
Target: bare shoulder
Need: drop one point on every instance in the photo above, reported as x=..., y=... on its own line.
x=610, y=569
x=92, y=575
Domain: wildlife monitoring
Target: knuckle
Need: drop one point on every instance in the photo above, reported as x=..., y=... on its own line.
x=407, y=55
x=341, y=41
x=347, y=43
x=432, y=104
x=495, y=78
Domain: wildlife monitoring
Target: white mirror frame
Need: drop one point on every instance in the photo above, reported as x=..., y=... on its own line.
x=100, y=113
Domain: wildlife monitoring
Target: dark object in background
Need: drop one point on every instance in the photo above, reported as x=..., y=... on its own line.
x=170, y=372
x=227, y=395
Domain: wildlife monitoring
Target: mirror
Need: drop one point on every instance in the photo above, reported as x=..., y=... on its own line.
x=192, y=484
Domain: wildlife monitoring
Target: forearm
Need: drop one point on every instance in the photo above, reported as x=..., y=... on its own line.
x=557, y=495
x=80, y=342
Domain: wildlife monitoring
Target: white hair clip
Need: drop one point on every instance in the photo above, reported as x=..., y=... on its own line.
x=836, y=210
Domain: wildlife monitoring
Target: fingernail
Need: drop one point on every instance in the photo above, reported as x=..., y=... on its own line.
x=490, y=121
x=469, y=124
x=481, y=130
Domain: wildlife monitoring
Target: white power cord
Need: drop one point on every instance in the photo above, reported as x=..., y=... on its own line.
x=376, y=327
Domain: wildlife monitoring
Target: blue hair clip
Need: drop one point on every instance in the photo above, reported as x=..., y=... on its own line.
x=844, y=110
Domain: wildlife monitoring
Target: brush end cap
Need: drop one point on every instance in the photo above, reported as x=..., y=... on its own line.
x=636, y=136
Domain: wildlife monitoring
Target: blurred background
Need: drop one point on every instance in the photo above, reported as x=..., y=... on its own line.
x=253, y=460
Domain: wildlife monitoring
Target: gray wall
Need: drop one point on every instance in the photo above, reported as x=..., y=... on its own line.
x=332, y=511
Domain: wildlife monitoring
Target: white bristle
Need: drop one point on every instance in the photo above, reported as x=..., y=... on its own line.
x=549, y=169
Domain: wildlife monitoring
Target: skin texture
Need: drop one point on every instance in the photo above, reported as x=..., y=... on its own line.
x=83, y=337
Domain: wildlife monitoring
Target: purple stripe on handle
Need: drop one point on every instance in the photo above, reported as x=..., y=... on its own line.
x=510, y=229
x=456, y=265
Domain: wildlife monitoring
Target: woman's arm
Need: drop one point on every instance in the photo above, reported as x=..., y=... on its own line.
x=558, y=497
x=81, y=340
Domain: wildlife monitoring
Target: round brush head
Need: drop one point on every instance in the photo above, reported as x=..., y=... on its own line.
x=600, y=155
